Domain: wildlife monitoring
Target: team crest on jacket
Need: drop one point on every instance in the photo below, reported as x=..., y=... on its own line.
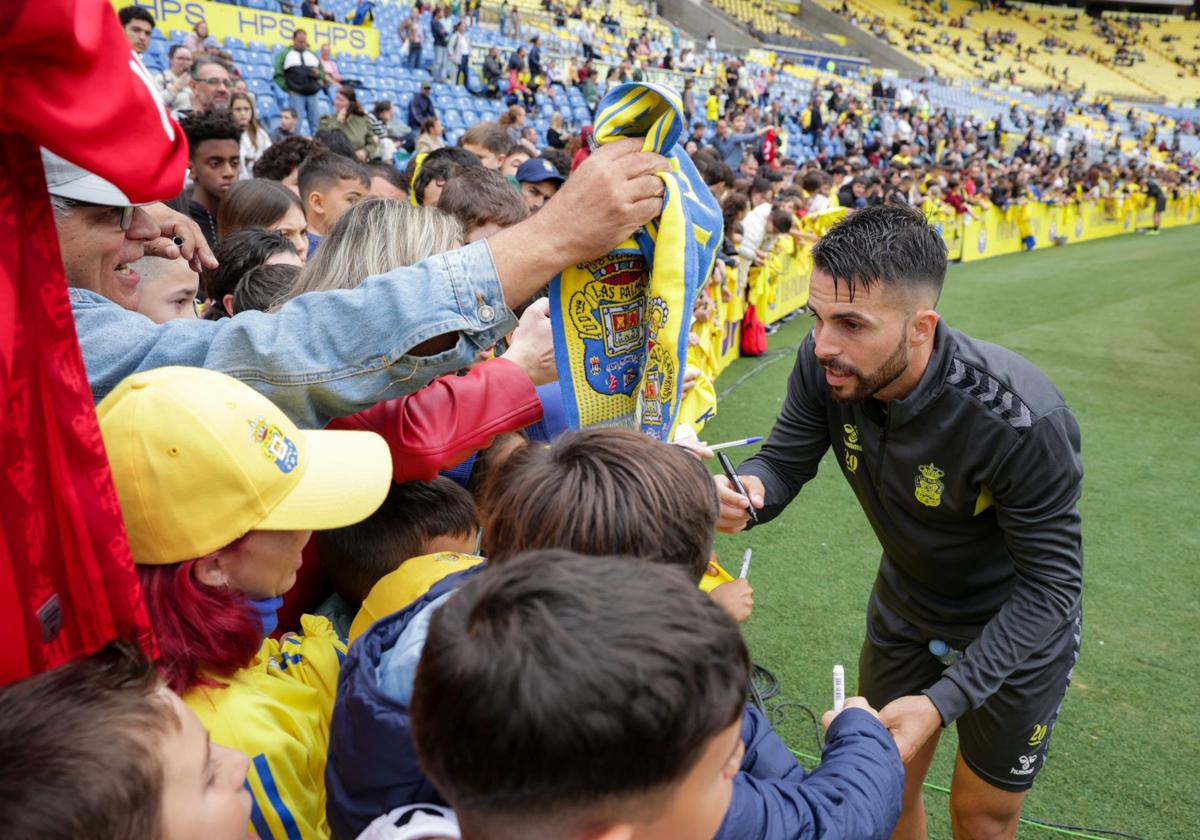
x=929, y=485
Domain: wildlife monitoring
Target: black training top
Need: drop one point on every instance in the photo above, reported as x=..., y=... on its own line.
x=970, y=483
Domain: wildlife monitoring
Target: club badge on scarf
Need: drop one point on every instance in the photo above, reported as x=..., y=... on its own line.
x=621, y=322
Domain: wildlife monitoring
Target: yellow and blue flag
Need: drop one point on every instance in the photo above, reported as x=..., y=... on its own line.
x=621, y=321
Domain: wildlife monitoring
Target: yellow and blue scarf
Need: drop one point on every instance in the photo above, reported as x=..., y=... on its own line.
x=621, y=321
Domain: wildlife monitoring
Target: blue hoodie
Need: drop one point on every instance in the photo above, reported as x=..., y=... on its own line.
x=372, y=766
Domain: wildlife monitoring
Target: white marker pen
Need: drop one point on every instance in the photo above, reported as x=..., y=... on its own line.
x=746, y=562
x=839, y=688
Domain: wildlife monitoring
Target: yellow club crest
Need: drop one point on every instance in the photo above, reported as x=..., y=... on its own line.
x=929, y=485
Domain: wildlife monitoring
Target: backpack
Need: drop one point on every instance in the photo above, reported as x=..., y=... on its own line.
x=754, y=333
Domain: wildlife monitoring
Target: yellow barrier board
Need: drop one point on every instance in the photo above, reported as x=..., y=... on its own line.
x=270, y=28
x=996, y=232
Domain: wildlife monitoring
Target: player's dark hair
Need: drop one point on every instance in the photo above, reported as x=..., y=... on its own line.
x=891, y=244
x=414, y=512
x=215, y=124
x=322, y=170
x=261, y=287
x=281, y=159
x=591, y=685
x=604, y=491
x=82, y=749
x=129, y=13
x=238, y=254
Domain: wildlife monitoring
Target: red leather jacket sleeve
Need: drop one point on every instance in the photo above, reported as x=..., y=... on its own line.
x=452, y=417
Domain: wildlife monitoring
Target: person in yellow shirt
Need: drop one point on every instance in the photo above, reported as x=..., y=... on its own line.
x=712, y=106
x=211, y=572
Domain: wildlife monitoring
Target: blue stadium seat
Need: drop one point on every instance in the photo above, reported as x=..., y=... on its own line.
x=260, y=87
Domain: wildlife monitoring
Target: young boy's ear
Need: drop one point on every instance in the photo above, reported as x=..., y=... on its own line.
x=315, y=202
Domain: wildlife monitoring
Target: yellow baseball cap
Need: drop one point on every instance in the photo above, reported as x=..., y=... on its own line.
x=200, y=459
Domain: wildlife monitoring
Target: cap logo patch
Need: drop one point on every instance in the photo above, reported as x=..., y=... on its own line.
x=274, y=444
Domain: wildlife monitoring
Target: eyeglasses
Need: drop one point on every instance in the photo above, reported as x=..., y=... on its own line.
x=225, y=83
x=126, y=212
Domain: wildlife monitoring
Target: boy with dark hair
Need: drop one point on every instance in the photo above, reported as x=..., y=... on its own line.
x=417, y=518
x=329, y=186
x=138, y=25
x=100, y=748
x=488, y=140
x=238, y=254
x=651, y=674
x=602, y=491
x=213, y=162
x=263, y=287
x=613, y=477
x=653, y=679
x=483, y=202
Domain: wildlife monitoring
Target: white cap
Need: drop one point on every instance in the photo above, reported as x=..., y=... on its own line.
x=66, y=180
x=424, y=821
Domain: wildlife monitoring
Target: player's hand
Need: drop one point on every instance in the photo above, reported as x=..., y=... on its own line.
x=912, y=720
x=736, y=597
x=734, y=515
x=851, y=703
x=172, y=223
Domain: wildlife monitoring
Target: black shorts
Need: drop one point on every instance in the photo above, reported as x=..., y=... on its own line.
x=1005, y=740
x=1160, y=202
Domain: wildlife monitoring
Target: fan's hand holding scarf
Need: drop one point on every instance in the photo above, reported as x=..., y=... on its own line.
x=621, y=321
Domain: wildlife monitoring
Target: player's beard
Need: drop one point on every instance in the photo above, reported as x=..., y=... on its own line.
x=868, y=385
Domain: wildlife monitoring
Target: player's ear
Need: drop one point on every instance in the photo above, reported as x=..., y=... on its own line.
x=923, y=326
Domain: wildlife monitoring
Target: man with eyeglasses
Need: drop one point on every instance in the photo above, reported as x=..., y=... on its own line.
x=212, y=85
x=101, y=233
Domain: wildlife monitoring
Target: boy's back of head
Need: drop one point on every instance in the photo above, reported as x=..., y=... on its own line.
x=604, y=491
x=416, y=518
x=559, y=694
x=482, y=200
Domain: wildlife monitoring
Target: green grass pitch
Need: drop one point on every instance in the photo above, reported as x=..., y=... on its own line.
x=1115, y=323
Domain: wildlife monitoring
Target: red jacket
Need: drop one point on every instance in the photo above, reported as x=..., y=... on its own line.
x=452, y=417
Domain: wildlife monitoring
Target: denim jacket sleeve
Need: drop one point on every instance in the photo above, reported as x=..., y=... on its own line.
x=323, y=355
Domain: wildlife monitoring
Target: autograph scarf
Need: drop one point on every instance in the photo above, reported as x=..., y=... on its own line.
x=621, y=321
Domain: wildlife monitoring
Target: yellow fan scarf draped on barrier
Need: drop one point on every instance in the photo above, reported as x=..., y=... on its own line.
x=621, y=321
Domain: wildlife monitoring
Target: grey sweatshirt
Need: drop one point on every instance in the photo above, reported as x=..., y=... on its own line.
x=971, y=484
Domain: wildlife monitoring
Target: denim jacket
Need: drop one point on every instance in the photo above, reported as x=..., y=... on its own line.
x=324, y=354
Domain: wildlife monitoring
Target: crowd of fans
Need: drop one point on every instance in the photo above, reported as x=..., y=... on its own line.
x=335, y=261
